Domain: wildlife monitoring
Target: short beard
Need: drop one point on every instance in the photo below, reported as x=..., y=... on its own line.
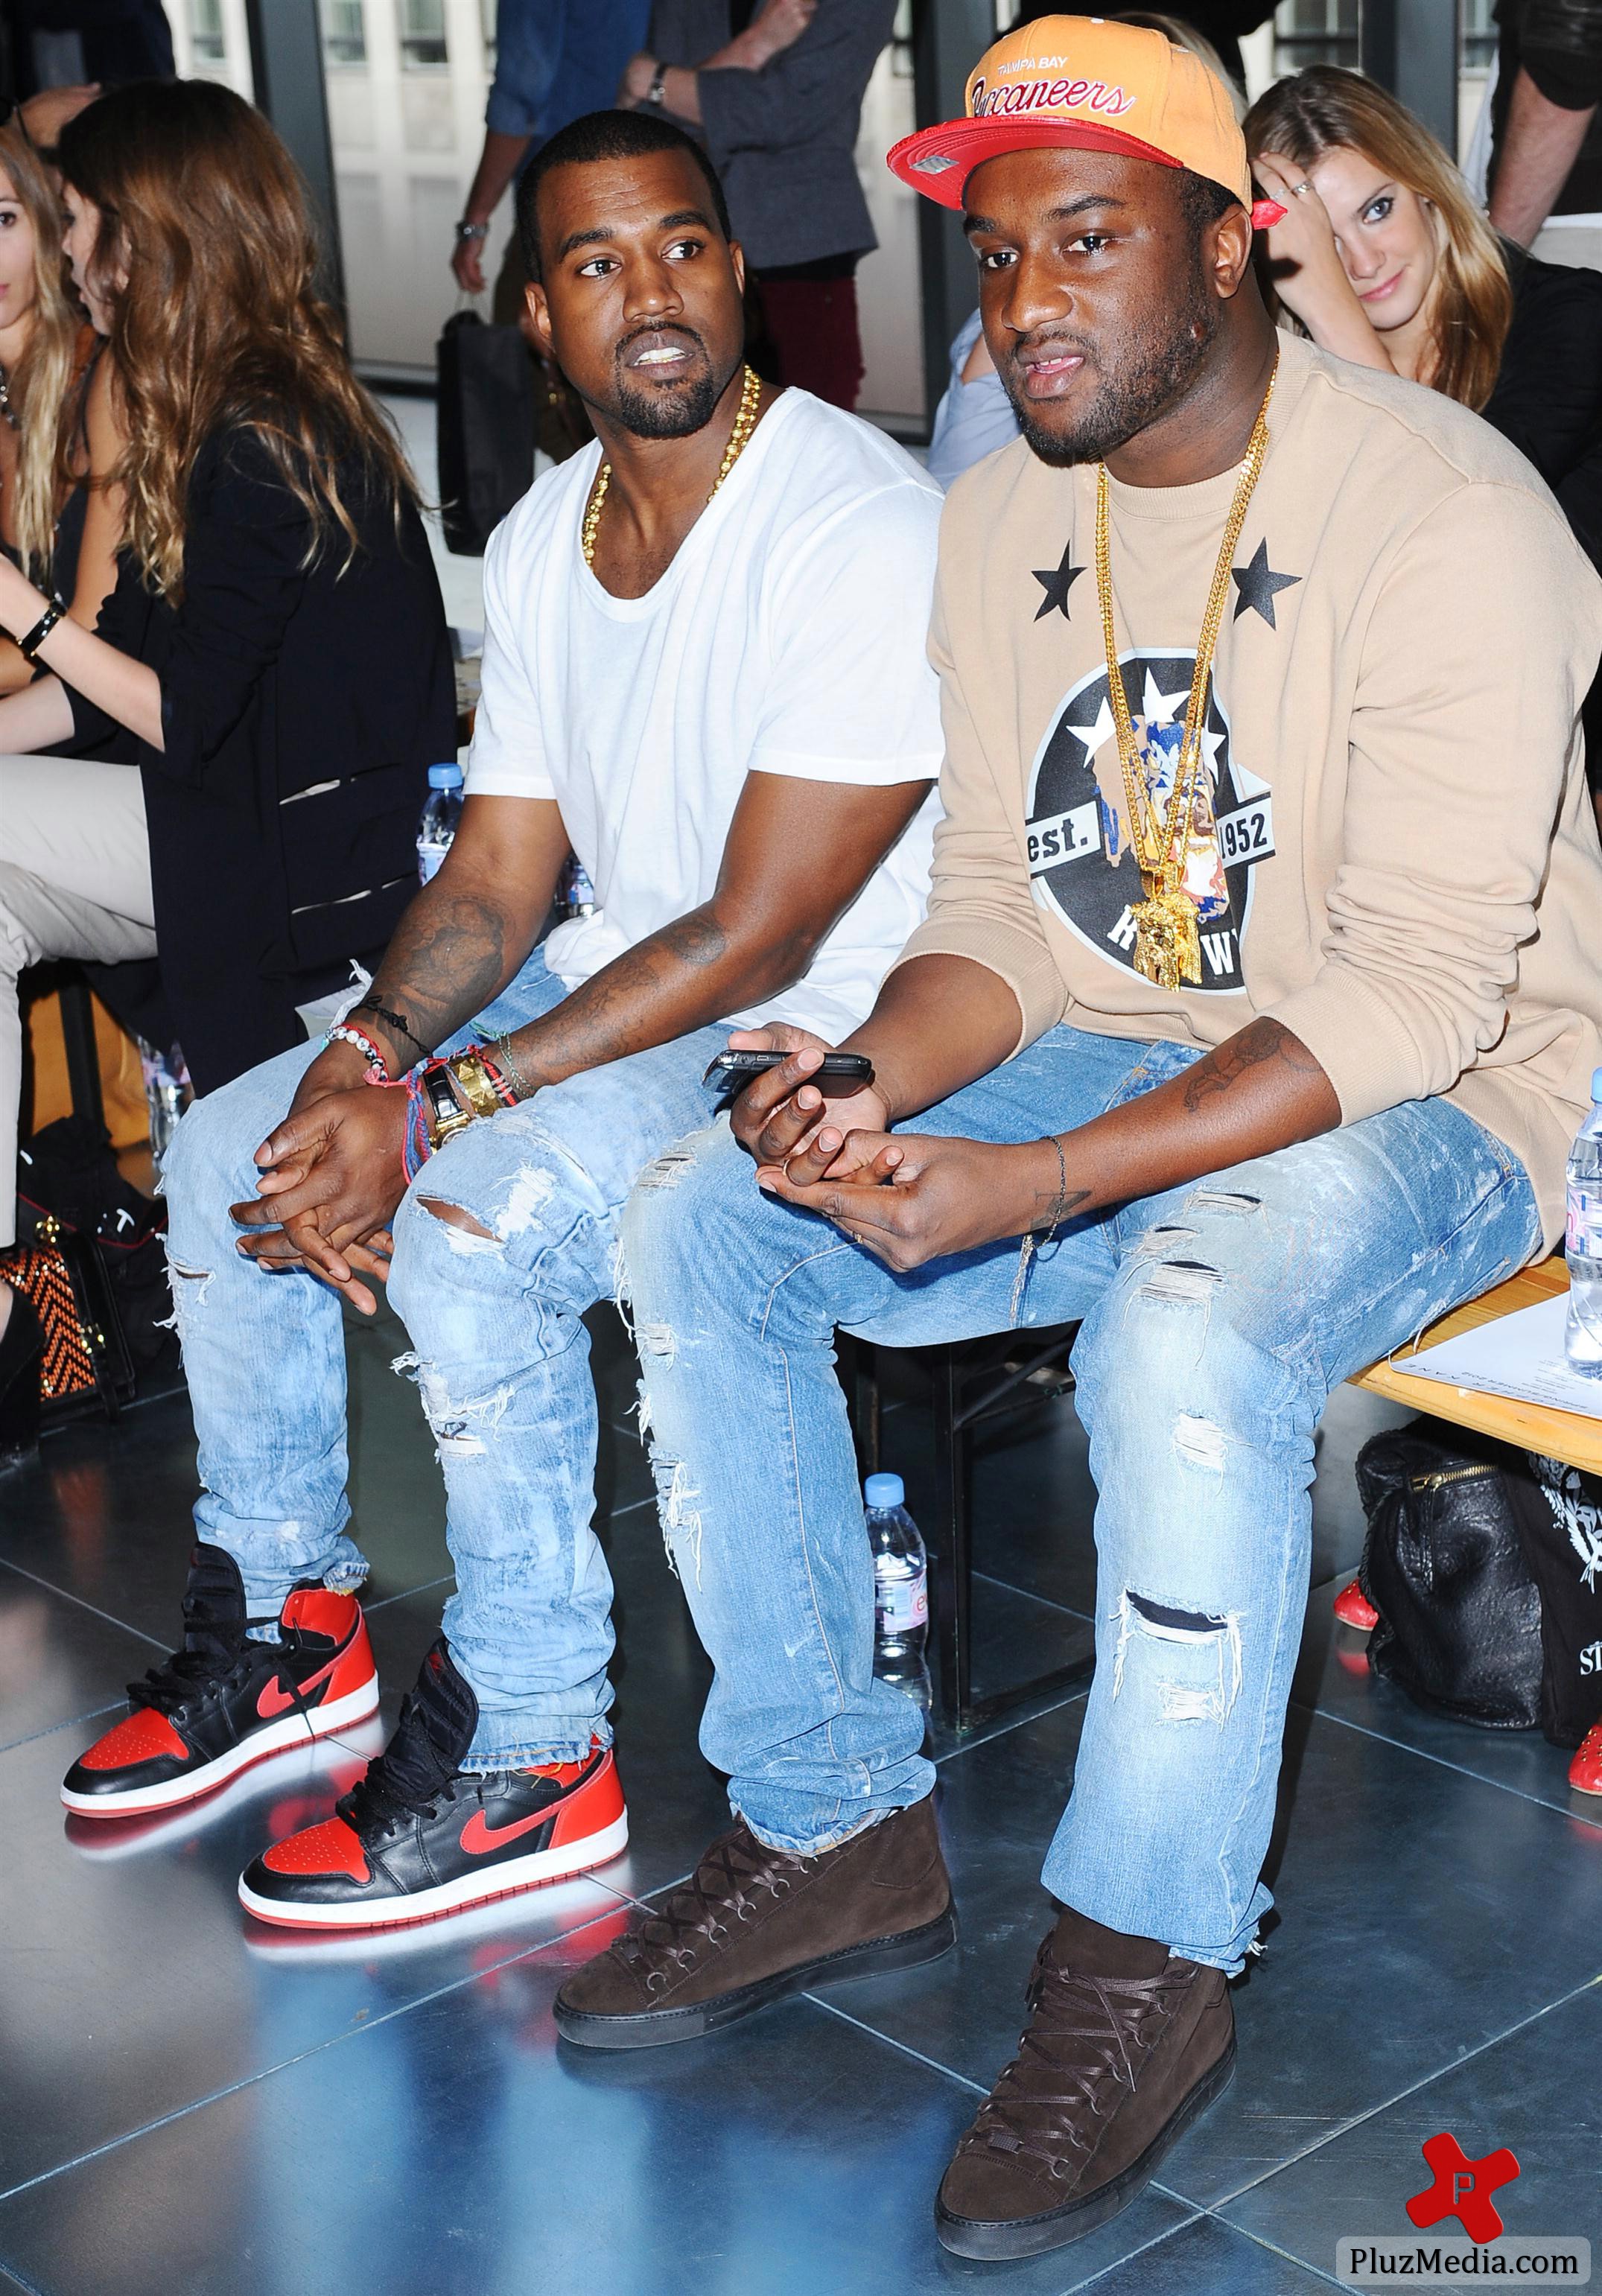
x=678, y=412
x=1157, y=371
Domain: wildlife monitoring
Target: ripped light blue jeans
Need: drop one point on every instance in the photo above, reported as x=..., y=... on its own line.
x=499, y=1352
x=1216, y=1321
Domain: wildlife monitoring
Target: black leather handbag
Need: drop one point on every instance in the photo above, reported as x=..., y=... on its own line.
x=1459, y=1615
x=485, y=414
x=1485, y=1566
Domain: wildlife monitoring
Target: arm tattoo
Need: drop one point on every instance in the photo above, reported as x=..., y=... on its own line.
x=1258, y=1042
x=661, y=988
x=448, y=958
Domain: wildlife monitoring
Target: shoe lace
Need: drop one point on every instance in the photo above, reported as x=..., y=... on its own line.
x=738, y=1878
x=1084, y=2031
x=407, y=1781
x=215, y=1650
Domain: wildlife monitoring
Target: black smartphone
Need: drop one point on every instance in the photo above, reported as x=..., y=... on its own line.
x=838, y=1068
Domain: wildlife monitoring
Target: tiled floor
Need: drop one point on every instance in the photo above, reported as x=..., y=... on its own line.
x=192, y=2106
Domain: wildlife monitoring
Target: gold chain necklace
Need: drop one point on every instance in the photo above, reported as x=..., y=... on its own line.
x=745, y=423
x=1168, y=944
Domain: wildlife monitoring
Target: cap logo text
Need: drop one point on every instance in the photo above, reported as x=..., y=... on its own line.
x=1049, y=95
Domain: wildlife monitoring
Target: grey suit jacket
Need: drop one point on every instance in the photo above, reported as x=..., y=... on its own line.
x=782, y=138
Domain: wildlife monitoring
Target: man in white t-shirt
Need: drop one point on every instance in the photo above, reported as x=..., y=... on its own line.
x=704, y=672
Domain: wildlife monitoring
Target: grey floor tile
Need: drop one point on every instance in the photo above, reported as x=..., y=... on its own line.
x=1404, y=1901
x=58, y=1659
x=460, y=2148
x=1536, y=2092
x=1205, y=2258
x=1333, y=1675
x=131, y=1982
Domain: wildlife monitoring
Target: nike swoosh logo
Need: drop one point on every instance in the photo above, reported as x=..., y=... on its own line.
x=275, y=1700
x=478, y=1838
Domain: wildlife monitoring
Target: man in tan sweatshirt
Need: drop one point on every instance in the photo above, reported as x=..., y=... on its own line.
x=1252, y=1015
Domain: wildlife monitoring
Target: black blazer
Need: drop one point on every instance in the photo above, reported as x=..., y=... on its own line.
x=301, y=708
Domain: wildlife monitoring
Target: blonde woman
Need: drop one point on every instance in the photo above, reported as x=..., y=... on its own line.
x=1383, y=259
x=60, y=436
x=273, y=662
x=1383, y=256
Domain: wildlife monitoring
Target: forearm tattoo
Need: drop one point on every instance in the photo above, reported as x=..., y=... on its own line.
x=448, y=959
x=1259, y=1042
x=650, y=994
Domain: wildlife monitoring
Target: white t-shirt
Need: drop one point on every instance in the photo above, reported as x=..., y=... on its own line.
x=786, y=637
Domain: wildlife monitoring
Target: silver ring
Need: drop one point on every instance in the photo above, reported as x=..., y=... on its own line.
x=1297, y=189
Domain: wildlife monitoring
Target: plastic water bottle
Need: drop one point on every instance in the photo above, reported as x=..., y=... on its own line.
x=575, y=895
x=1582, y=1243
x=168, y=1092
x=440, y=815
x=900, y=1588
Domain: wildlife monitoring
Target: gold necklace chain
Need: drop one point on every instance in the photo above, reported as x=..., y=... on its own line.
x=745, y=423
x=1168, y=946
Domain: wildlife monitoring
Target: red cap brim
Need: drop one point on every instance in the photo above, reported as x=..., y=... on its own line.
x=939, y=160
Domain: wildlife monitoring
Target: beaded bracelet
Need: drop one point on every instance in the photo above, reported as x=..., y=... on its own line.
x=378, y=1069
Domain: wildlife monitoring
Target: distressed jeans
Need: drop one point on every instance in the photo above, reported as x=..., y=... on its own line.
x=1215, y=1321
x=499, y=1352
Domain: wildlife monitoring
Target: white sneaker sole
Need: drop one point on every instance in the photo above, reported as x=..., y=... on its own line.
x=289, y=1730
x=503, y=1881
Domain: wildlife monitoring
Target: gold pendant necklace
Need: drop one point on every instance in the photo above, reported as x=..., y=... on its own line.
x=745, y=423
x=1168, y=942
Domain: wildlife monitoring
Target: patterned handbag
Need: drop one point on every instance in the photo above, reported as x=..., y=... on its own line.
x=90, y=1259
x=86, y=1361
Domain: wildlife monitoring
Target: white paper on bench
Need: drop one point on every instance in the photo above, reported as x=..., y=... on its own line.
x=1519, y=1355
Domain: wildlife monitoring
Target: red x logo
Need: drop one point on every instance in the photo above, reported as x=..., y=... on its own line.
x=1463, y=2188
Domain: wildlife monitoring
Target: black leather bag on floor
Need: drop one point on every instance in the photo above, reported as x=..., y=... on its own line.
x=1559, y=1514
x=1459, y=1613
x=1485, y=1566
x=485, y=413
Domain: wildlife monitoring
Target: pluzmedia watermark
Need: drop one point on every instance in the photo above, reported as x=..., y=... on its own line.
x=1524, y=2260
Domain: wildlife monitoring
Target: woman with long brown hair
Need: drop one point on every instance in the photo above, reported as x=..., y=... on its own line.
x=271, y=677
x=1383, y=259
x=60, y=513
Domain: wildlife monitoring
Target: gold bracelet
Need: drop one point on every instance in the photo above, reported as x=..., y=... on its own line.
x=481, y=1097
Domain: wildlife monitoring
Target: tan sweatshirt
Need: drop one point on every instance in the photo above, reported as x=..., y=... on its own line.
x=1399, y=860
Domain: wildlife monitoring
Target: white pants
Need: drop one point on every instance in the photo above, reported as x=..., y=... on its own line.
x=74, y=881
x=1576, y=242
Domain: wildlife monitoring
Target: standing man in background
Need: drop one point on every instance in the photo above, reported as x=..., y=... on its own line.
x=1545, y=163
x=554, y=60
x=782, y=138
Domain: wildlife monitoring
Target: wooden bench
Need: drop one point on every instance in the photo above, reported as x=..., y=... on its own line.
x=1566, y=1435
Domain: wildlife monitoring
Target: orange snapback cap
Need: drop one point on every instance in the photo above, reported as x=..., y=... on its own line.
x=1094, y=85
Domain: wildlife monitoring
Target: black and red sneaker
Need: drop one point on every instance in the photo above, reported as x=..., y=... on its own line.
x=225, y=1701
x=421, y=1836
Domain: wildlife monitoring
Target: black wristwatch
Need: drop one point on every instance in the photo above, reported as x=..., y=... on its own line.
x=657, y=91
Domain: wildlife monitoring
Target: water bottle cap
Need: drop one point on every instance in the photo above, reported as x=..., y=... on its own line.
x=1596, y=1084
x=885, y=1490
x=447, y=776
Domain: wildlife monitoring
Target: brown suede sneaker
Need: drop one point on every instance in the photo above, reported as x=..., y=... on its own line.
x=1127, y=2045
x=752, y=1925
